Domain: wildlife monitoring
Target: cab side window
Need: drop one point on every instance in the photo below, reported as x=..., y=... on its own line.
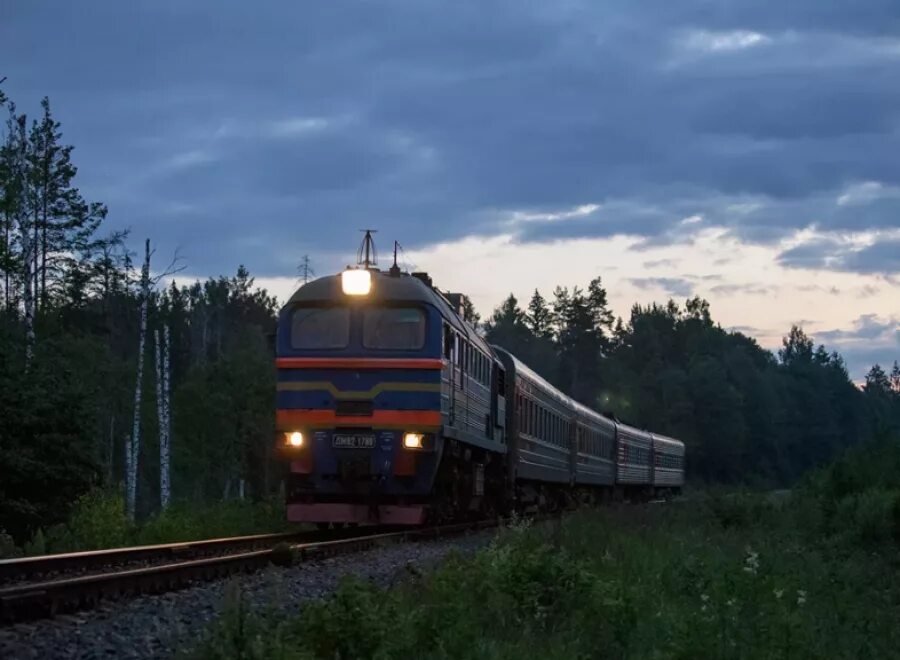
x=448, y=342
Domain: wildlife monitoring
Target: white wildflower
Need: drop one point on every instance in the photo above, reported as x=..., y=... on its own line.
x=779, y=593
x=801, y=596
x=731, y=602
x=704, y=598
x=751, y=562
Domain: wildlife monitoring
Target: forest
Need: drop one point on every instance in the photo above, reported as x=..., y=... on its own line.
x=114, y=377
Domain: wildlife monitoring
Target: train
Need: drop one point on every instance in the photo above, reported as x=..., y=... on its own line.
x=391, y=408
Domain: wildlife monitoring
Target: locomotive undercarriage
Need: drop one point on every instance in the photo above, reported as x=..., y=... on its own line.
x=469, y=485
x=472, y=484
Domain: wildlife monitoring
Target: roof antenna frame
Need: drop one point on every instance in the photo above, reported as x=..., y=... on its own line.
x=395, y=269
x=367, y=256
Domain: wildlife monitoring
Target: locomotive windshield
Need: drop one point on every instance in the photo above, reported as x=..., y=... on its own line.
x=320, y=327
x=394, y=328
x=382, y=328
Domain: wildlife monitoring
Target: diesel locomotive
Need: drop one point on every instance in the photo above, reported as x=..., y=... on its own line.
x=391, y=408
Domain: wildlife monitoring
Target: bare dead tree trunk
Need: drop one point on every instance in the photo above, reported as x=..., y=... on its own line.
x=160, y=415
x=19, y=183
x=44, y=219
x=135, y=448
x=128, y=473
x=110, y=450
x=7, y=222
x=35, y=253
x=162, y=409
x=28, y=294
x=165, y=488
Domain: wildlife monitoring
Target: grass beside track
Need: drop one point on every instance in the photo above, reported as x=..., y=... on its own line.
x=98, y=521
x=730, y=577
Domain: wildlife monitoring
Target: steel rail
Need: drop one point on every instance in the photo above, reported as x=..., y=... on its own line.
x=23, y=568
x=46, y=598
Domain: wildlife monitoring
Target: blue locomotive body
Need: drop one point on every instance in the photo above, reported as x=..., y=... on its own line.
x=391, y=408
x=374, y=390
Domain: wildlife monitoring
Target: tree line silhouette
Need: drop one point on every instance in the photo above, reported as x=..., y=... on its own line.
x=71, y=318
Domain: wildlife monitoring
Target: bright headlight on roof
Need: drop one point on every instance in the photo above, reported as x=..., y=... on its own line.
x=413, y=440
x=356, y=282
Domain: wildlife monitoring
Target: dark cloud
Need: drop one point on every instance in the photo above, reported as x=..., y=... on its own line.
x=871, y=339
x=833, y=254
x=750, y=330
x=811, y=254
x=256, y=136
x=881, y=257
x=748, y=289
x=673, y=286
x=661, y=263
x=866, y=327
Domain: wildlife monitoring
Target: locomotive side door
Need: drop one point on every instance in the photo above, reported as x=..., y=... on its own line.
x=450, y=348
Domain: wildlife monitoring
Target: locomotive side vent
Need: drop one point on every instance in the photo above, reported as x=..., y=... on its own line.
x=354, y=408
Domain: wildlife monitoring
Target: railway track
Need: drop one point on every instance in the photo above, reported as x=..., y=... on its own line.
x=114, y=574
x=27, y=568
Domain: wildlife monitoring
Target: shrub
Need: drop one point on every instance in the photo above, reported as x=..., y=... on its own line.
x=739, y=510
x=8, y=548
x=867, y=517
x=242, y=633
x=188, y=522
x=874, y=464
x=99, y=521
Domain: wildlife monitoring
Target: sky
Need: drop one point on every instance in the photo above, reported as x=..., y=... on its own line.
x=747, y=152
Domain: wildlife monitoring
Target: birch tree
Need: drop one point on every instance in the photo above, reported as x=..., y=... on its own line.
x=132, y=452
x=147, y=284
x=163, y=407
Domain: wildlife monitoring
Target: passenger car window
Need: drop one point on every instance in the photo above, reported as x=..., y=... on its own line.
x=394, y=328
x=320, y=327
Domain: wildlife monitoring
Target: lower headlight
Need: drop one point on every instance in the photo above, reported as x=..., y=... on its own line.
x=413, y=440
x=294, y=439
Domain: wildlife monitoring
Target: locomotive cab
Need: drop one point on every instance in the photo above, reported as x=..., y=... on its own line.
x=359, y=398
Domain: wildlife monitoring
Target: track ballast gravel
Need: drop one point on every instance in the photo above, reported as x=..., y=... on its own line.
x=156, y=626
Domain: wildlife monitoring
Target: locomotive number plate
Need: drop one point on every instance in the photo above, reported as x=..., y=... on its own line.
x=353, y=441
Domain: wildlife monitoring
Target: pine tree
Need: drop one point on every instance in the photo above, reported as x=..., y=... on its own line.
x=560, y=309
x=16, y=204
x=468, y=312
x=698, y=309
x=797, y=348
x=877, y=382
x=540, y=316
x=506, y=327
x=599, y=305
x=63, y=224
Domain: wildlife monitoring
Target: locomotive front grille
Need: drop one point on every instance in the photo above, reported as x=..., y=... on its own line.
x=354, y=469
x=353, y=408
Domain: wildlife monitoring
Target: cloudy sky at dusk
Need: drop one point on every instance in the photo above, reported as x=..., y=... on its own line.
x=747, y=152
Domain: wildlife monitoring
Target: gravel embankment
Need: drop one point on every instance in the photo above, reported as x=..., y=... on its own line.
x=155, y=626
